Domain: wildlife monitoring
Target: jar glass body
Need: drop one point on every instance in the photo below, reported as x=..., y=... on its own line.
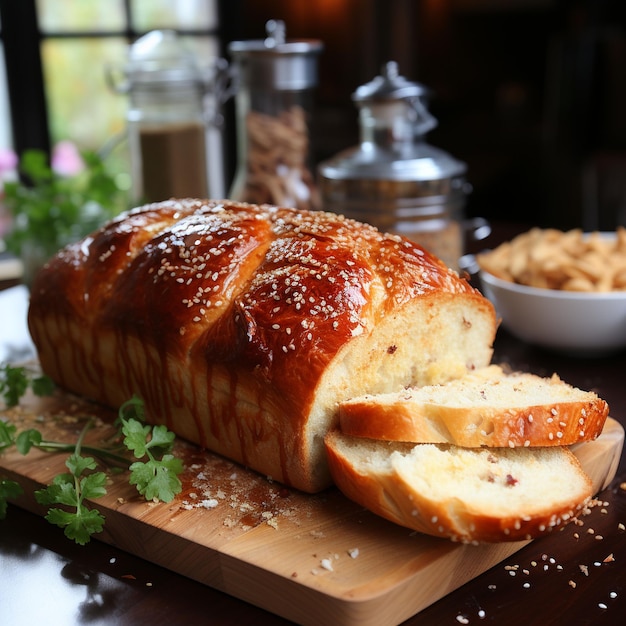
x=273, y=147
x=167, y=134
x=427, y=212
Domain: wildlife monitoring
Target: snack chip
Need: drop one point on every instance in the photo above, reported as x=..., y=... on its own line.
x=553, y=259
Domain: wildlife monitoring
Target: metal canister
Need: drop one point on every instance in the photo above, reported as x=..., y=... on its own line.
x=276, y=79
x=394, y=179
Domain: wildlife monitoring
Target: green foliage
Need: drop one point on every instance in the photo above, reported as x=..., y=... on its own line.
x=15, y=380
x=155, y=478
x=70, y=490
x=8, y=489
x=50, y=210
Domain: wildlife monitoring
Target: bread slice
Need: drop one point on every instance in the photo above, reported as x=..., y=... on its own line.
x=467, y=495
x=489, y=407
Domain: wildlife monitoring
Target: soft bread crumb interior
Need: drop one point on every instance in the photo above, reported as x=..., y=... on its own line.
x=430, y=341
x=496, y=483
x=490, y=386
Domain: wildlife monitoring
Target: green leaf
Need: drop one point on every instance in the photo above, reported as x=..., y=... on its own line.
x=34, y=164
x=157, y=479
x=162, y=439
x=27, y=439
x=135, y=436
x=8, y=489
x=13, y=384
x=62, y=490
x=77, y=526
x=43, y=386
x=92, y=486
x=77, y=464
x=7, y=434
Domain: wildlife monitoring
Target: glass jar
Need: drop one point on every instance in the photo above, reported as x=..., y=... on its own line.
x=169, y=126
x=274, y=104
x=393, y=179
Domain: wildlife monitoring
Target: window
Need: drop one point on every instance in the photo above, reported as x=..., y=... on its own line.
x=56, y=54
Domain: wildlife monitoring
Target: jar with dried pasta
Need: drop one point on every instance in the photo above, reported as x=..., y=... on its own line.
x=274, y=102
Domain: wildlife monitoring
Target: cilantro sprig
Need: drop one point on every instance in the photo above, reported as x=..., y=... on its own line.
x=154, y=470
x=71, y=490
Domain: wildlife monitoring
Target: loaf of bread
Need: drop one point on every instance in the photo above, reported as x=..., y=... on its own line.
x=243, y=327
x=488, y=407
x=463, y=494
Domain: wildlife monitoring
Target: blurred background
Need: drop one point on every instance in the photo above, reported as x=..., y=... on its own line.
x=531, y=94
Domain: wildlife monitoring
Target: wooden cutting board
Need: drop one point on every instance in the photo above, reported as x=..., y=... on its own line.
x=311, y=559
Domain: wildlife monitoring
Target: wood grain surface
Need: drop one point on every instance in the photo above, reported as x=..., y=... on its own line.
x=310, y=559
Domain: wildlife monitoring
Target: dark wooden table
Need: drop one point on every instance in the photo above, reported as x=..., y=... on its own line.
x=575, y=576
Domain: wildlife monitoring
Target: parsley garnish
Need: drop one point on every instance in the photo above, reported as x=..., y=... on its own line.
x=154, y=472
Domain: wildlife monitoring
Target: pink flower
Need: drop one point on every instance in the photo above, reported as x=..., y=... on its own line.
x=66, y=159
x=8, y=161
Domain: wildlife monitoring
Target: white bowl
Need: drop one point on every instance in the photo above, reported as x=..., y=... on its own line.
x=587, y=324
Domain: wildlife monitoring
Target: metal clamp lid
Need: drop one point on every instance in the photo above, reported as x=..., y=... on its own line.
x=276, y=62
x=389, y=86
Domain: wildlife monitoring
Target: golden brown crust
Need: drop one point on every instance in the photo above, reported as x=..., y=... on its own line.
x=559, y=424
x=225, y=317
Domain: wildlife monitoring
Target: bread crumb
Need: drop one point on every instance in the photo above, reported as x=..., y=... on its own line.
x=209, y=503
x=327, y=564
x=353, y=553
